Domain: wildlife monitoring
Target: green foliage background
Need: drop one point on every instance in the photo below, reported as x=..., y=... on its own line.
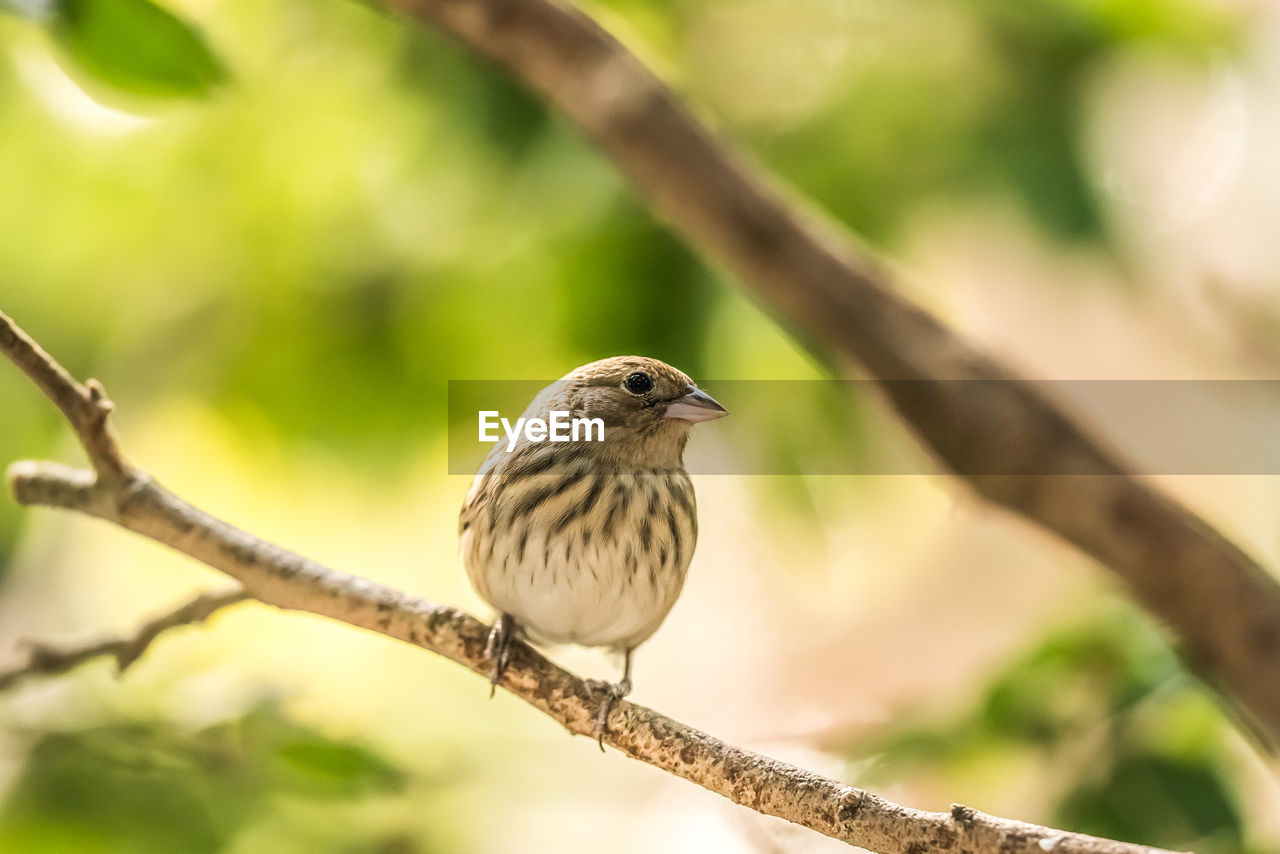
x=306, y=217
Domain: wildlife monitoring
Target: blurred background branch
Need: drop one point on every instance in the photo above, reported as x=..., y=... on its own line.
x=834, y=295
x=49, y=660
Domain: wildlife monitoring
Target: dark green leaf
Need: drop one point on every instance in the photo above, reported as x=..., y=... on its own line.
x=136, y=47
x=140, y=787
x=320, y=766
x=1158, y=801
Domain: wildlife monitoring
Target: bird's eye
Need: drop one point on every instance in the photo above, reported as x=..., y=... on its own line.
x=638, y=382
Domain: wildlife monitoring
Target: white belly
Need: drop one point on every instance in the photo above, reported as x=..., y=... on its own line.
x=594, y=581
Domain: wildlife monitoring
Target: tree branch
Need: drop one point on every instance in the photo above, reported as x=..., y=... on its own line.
x=86, y=406
x=48, y=660
x=1221, y=604
x=282, y=578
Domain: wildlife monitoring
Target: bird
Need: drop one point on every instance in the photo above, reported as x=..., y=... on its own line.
x=588, y=542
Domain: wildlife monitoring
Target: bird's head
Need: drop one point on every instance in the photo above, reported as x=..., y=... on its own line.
x=639, y=393
x=646, y=405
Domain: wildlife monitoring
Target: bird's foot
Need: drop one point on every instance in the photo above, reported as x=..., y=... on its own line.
x=498, y=649
x=611, y=694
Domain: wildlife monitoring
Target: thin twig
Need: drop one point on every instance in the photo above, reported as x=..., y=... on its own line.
x=86, y=406
x=287, y=580
x=48, y=660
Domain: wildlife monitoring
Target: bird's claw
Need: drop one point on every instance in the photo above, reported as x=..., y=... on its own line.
x=498, y=649
x=612, y=694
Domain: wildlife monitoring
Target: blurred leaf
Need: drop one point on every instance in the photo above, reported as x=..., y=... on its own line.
x=1074, y=678
x=1193, y=25
x=154, y=787
x=1107, y=702
x=1158, y=801
x=502, y=114
x=136, y=47
x=909, y=135
x=324, y=767
x=106, y=790
x=629, y=286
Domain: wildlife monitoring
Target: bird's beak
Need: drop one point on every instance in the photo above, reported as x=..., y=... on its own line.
x=696, y=405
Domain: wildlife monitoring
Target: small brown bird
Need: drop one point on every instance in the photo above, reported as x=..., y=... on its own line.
x=588, y=541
